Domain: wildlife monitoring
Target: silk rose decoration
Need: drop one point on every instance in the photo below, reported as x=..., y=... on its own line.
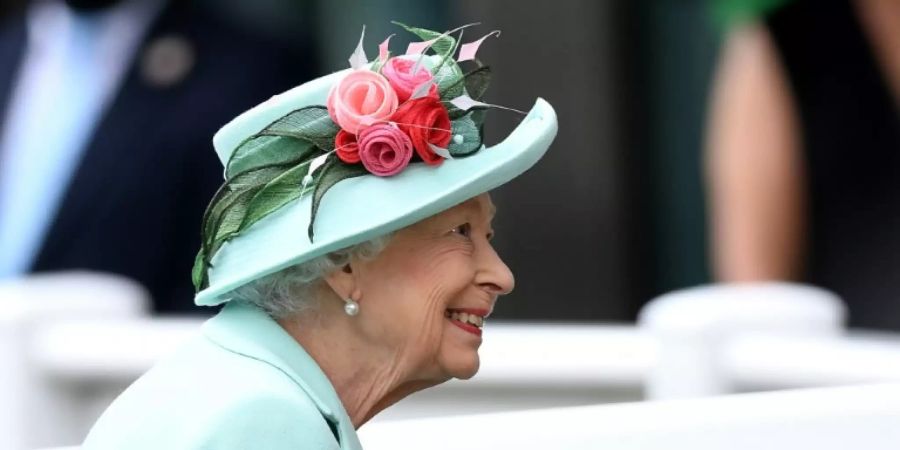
x=426, y=121
x=346, y=147
x=384, y=149
x=360, y=99
x=399, y=72
x=383, y=112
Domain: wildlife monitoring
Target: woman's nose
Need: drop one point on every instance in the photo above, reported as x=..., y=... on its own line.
x=494, y=275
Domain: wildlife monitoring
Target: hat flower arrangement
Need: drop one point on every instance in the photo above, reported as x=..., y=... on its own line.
x=380, y=117
x=409, y=105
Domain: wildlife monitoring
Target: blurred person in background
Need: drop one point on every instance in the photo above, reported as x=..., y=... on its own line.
x=106, y=108
x=803, y=151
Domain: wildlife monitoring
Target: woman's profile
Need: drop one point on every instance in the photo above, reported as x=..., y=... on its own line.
x=350, y=245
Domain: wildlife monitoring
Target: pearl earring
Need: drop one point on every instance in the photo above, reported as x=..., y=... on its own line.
x=351, y=307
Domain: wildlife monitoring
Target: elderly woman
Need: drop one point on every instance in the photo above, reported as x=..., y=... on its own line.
x=351, y=247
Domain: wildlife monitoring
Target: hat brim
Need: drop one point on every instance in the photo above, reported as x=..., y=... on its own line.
x=362, y=208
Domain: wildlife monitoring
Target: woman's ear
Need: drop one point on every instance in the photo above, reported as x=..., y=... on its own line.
x=343, y=282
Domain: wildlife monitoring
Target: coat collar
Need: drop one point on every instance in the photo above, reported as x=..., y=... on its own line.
x=250, y=332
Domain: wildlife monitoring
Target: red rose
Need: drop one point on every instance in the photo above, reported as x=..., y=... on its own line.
x=425, y=121
x=346, y=147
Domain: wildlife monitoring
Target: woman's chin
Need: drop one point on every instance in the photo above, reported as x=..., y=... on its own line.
x=462, y=366
x=469, y=373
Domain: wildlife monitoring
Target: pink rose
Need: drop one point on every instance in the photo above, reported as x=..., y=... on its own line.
x=360, y=99
x=384, y=149
x=398, y=72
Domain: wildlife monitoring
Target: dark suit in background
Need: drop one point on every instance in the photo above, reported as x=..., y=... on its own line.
x=133, y=206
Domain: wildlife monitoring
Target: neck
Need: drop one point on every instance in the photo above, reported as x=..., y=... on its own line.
x=366, y=378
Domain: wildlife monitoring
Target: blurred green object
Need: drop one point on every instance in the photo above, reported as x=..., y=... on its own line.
x=677, y=59
x=728, y=12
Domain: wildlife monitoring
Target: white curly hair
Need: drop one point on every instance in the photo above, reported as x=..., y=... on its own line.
x=293, y=290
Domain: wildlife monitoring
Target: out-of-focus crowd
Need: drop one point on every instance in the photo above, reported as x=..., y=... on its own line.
x=107, y=108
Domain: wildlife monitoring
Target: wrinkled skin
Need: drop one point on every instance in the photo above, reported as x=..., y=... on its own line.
x=401, y=341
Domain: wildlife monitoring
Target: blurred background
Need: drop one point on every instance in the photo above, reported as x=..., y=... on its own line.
x=119, y=100
x=706, y=149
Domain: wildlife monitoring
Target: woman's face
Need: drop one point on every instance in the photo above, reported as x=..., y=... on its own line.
x=425, y=297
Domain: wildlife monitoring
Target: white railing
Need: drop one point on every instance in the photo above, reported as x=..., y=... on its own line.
x=36, y=409
x=69, y=345
x=859, y=417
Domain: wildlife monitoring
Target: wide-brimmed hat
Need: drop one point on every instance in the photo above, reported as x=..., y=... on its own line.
x=355, y=155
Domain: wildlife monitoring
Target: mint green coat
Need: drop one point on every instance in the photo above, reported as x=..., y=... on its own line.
x=243, y=384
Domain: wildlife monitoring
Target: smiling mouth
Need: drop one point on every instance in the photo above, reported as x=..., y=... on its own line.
x=469, y=320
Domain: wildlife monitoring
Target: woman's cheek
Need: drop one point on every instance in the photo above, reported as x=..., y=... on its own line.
x=455, y=267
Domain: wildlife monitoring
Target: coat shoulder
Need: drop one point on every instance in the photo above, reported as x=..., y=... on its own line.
x=207, y=397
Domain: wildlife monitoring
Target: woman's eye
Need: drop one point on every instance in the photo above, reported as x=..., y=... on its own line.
x=463, y=230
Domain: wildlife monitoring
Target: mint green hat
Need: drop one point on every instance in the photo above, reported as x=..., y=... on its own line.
x=338, y=161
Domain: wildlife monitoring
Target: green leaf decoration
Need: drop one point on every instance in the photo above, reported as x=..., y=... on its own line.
x=333, y=172
x=477, y=116
x=263, y=174
x=226, y=215
x=450, y=81
x=198, y=273
x=311, y=123
x=475, y=82
x=448, y=56
x=471, y=136
x=292, y=137
x=225, y=212
x=266, y=151
x=221, y=225
x=444, y=45
x=275, y=194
